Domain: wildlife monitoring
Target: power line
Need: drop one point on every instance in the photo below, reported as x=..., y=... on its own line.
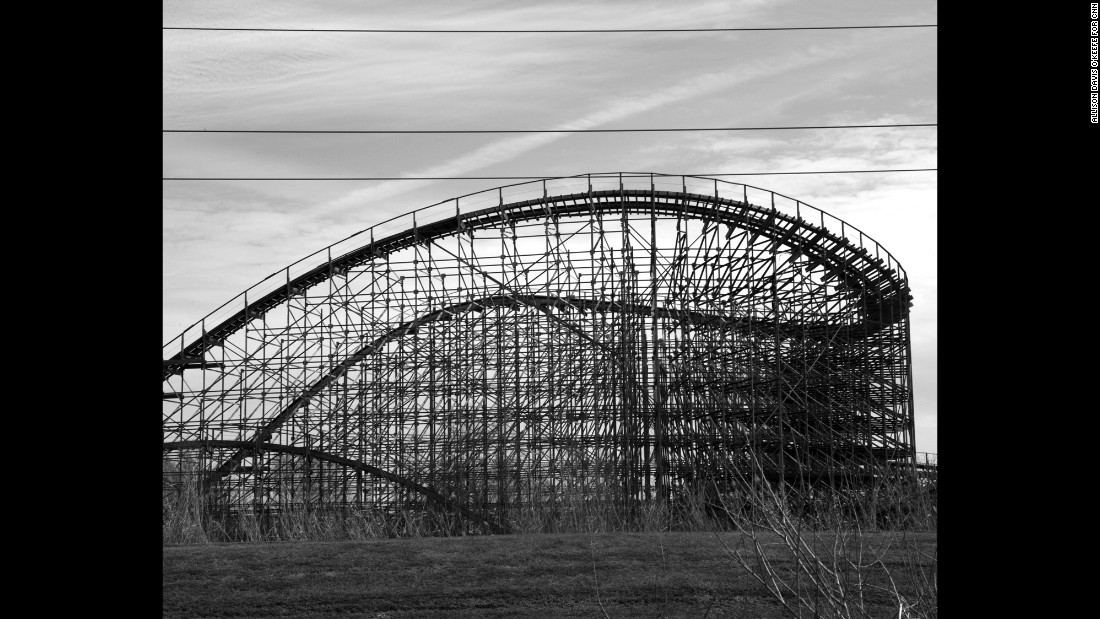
x=489, y=178
x=579, y=31
x=445, y=131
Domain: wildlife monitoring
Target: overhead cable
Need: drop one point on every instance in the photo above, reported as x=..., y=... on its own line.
x=561, y=31
x=486, y=178
x=443, y=131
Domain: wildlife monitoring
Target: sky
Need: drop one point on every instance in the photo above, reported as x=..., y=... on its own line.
x=220, y=237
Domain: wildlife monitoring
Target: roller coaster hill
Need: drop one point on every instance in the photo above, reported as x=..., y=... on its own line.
x=619, y=337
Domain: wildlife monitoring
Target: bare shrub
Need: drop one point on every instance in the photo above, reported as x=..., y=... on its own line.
x=825, y=561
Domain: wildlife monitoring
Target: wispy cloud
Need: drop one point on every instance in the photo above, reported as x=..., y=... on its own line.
x=220, y=238
x=613, y=108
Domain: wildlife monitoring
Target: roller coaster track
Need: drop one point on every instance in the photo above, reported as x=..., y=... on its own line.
x=855, y=270
x=257, y=447
x=698, y=319
x=874, y=295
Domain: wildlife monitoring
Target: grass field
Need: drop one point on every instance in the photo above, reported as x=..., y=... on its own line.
x=567, y=575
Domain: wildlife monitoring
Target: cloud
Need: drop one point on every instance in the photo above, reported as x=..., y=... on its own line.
x=613, y=108
x=219, y=238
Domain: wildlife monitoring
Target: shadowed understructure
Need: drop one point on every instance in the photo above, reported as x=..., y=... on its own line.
x=617, y=337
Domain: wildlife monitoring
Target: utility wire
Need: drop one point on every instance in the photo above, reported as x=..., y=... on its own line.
x=594, y=30
x=488, y=178
x=439, y=131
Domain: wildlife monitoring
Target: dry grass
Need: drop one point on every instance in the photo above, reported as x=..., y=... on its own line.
x=188, y=518
x=751, y=550
x=638, y=575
